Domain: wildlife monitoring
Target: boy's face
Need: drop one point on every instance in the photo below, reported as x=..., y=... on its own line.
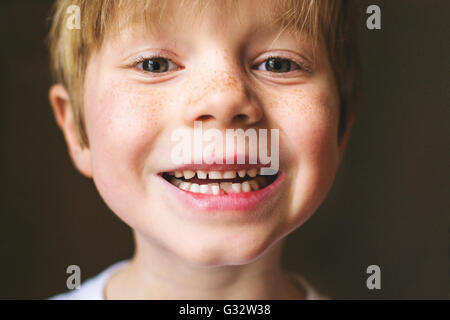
x=217, y=70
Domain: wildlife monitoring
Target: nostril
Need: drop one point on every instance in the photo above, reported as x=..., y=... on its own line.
x=241, y=116
x=205, y=117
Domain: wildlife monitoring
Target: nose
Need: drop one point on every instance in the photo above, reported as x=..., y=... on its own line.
x=224, y=103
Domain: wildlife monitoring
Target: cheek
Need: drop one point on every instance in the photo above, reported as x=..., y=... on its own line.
x=121, y=122
x=308, y=121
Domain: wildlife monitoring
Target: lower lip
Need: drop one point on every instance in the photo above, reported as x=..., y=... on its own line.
x=240, y=202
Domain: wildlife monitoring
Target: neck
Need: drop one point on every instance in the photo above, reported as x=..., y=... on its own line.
x=156, y=273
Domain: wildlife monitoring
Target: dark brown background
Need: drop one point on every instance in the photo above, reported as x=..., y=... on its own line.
x=389, y=205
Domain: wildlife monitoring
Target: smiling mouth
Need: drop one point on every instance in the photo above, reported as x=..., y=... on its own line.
x=219, y=182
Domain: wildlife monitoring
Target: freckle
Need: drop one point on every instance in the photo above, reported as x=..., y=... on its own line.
x=138, y=104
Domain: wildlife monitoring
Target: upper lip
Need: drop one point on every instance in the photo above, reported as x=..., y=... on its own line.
x=218, y=166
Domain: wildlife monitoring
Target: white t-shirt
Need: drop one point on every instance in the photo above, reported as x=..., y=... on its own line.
x=93, y=288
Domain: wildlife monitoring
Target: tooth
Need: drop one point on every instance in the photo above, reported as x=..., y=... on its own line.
x=178, y=174
x=229, y=175
x=254, y=184
x=195, y=188
x=188, y=174
x=215, y=175
x=204, y=188
x=246, y=186
x=185, y=186
x=236, y=187
x=175, y=182
x=215, y=188
x=252, y=172
x=201, y=174
x=225, y=186
x=242, y=173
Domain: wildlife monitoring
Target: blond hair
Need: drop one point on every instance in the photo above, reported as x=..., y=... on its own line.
x=330, y=21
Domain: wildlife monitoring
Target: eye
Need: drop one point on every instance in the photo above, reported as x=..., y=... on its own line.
x=156, y=65
x=278, y=65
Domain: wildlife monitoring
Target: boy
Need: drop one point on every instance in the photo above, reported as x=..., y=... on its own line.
x=136, y=72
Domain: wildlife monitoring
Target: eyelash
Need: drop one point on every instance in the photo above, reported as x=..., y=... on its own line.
x=141, y=59
x=303, y=67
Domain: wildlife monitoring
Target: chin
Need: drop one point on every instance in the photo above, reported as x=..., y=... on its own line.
x=225, y=252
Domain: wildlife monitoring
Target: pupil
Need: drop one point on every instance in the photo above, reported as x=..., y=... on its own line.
x=155, y=65
x=278, y=65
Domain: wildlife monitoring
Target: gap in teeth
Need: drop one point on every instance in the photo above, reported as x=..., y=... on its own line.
x=217, y=188
x=216, y=175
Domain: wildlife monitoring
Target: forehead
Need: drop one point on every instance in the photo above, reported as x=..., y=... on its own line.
x=296, y=17
x=192, y=11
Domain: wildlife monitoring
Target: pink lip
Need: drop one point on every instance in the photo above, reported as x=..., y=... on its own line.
x=219, y=165
x=241, y=202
